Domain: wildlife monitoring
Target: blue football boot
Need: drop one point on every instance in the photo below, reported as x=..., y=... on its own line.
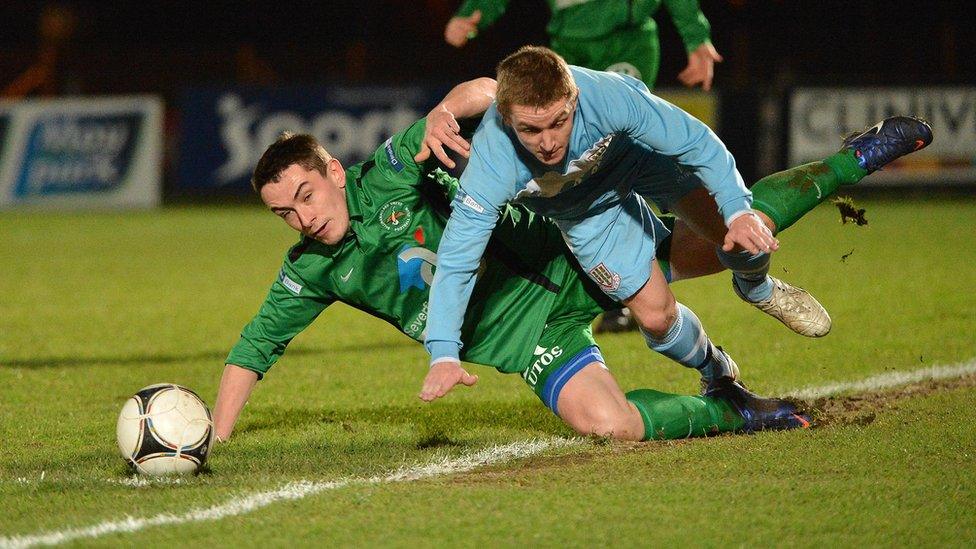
x=759, y=413
x=890, y=139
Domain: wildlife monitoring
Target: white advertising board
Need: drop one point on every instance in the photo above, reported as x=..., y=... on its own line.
x=820, y=117
x=81, y=153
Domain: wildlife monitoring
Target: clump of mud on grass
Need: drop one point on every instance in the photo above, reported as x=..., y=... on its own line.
x=863, y=408
x=849, y=212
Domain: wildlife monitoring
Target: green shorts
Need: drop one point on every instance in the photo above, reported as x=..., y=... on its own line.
x=634, y=52
x=564, y=349
x=566, y=344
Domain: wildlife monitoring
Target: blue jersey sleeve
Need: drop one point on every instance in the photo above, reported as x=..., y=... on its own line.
x=628, y=106
x=487, y=185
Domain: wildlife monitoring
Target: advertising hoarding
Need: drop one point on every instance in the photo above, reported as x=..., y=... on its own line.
x=81, y=153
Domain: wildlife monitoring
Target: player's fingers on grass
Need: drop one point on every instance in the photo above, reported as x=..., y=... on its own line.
x=429, y=388
x=430, y=393
x=444, y=387
x=469, y=379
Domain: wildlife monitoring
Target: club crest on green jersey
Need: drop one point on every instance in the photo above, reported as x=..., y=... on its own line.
x=395, y=216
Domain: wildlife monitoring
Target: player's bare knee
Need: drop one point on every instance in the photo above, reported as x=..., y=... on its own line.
x=602, y=421
x=656, y=322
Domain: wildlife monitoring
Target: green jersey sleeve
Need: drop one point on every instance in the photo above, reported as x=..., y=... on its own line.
x=491, y=10
x=395, y=158
x=289, y=308
x=690, y=22
x=395, y=162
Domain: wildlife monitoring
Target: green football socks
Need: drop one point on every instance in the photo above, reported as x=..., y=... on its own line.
x=788, y=195
x=668, y=416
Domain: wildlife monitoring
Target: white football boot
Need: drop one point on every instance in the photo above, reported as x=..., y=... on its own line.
x=793, y=306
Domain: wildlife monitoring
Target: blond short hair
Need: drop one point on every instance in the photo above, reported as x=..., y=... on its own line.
x=533, y=76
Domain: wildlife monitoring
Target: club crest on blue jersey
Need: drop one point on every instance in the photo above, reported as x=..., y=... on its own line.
x=415, y=266
x=607, y=279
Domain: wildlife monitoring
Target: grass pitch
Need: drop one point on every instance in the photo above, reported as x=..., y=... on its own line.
x=95, y=306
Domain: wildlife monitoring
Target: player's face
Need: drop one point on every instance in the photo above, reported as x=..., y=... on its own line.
x=544, y=131
x=311, y=203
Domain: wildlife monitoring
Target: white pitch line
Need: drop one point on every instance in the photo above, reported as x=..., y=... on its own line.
x=497, y=454
x=888, y=380
x=292, y=491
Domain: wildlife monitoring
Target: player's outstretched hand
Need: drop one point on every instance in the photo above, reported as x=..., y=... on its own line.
x=442, y=130
x=442, y=377
x=701, y=67
x=461, y=29
x=749, y=232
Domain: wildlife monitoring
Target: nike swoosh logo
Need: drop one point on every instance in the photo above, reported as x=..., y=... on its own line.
x=804, y=424
x=346, y=277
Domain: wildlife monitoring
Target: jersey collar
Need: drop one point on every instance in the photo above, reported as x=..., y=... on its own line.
x=353, y=196
x=359, y=205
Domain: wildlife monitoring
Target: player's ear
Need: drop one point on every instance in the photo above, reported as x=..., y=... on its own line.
x=335, y=171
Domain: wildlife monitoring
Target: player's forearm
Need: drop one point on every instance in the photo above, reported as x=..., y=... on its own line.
x=491, y=10
x=458, y=255
x=469, y=99
x=673, y=132
x=235, y=387
x=690, y=22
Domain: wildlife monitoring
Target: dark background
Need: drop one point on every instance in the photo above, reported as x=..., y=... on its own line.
x=162, y=46
x=167, y=47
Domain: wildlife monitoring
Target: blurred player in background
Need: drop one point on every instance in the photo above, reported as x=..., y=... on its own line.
x=369, y=239
x=48, y=74
x=610, y=35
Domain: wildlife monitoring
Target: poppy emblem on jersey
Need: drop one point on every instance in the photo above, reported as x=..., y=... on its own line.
x=607, y=279
x=395, y=216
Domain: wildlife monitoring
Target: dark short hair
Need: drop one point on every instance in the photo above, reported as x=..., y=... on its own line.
x=288, y=149
x=533, y=76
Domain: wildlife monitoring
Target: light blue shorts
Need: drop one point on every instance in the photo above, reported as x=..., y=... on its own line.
x=616, y=247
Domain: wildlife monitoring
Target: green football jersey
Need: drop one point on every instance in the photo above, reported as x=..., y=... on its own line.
x=586, y=19
x=398, y=210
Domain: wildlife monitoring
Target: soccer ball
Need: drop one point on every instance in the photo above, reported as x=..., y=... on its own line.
x=165, y=429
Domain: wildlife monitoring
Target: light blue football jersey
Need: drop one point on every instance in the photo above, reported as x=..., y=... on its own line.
x=621, y=133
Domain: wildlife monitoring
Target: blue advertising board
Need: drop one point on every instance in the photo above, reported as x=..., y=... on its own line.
x=81, y=152
x=225, y=131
